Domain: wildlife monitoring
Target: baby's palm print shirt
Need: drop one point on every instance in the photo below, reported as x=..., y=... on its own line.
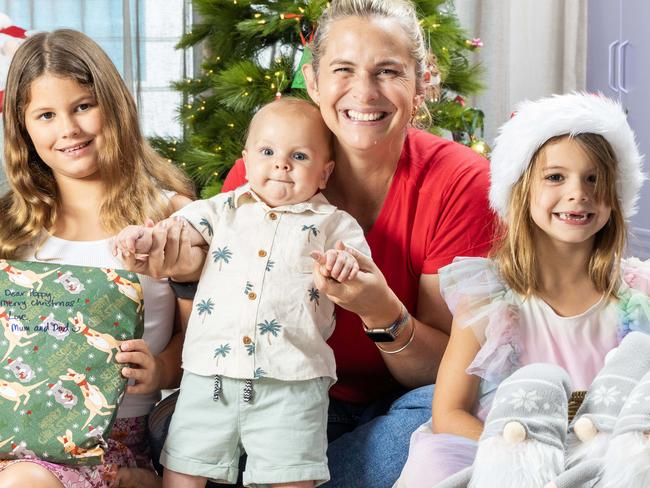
x=257, y=312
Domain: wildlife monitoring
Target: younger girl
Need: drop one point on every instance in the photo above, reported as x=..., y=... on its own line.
x=79, y=170
x=565, y=177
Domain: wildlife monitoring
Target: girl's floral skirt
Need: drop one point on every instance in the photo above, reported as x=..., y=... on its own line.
x=127, y=448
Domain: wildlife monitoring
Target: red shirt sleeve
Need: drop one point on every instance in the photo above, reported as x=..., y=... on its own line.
x=465, y=225
x=236, y=176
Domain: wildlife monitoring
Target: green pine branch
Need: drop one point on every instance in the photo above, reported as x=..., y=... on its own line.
x=251, y=50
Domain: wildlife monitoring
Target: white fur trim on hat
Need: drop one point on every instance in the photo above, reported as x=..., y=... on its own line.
x=536, y=122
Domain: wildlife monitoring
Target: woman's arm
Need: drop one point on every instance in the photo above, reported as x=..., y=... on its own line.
x=456, y=391
x=170, y=357
x=417, y=364
x=423, y=340
x=163, y=371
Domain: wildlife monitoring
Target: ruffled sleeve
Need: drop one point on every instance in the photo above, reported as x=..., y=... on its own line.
x=634, y=297
x=478, y=298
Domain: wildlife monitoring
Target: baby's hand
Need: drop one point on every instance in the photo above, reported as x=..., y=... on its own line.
x=134, y=240
x=337, y=264
x=142, y=366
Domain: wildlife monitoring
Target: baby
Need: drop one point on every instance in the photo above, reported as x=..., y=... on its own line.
x=257, y=365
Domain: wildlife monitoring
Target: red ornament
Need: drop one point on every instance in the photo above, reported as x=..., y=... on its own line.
x=29, y=412
x=35, y=348
x=88, y=368
x=10, y=37
x=87, y=300
x=460, y=100
x=116, y=324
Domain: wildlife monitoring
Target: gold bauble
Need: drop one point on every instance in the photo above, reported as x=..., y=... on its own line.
x=481, y=147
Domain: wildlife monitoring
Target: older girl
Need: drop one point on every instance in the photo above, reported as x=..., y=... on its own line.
x=79, y=170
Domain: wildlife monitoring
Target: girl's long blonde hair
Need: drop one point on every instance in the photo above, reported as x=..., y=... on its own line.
x=133, y=173
x=514, y=250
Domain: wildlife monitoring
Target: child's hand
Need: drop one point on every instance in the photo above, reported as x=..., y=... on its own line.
x=336, y=264
x=134, y=240
x=143, y=366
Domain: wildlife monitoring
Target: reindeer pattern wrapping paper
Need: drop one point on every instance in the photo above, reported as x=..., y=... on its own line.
x=60, y=328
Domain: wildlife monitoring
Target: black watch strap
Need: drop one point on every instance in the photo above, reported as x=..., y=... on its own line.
x=390, y=332
x=183, y=290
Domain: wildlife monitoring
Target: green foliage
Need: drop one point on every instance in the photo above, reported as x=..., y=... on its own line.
x=250, y=51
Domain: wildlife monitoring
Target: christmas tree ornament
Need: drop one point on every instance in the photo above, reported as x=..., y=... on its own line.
x=481, y=147
x=475, y=43
x=298, y=78
x=11, y=37
x=459, y=100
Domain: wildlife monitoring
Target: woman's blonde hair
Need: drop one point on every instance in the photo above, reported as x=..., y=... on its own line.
x=403, y=11
x=514, y=250
x=133, y=173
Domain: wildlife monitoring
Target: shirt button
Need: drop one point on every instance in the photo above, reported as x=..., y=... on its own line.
x=247, y=340
x=252, y=295
x=273, y=216
x=261, y=253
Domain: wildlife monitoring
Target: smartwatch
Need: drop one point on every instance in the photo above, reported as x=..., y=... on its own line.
x=390, y=332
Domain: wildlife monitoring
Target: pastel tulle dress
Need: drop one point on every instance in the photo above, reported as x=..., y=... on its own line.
x=513, y=332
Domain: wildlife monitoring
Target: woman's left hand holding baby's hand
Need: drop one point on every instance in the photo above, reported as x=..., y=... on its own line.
x=143, y=367
x=368, y=294
x=337, y=264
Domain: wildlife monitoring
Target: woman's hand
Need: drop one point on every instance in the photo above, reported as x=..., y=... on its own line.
x=143, y=367
x=171, y=253
x=368, y=295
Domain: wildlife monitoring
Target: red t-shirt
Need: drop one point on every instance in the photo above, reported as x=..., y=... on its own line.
x=436, y=209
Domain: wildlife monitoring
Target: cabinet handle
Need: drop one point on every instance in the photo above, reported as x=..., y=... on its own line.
x=610, y=67
x=621, y=66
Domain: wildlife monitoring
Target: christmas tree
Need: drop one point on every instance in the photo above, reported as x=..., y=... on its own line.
x=252, y=53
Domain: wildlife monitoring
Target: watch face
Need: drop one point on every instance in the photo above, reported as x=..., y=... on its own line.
x=379, y=336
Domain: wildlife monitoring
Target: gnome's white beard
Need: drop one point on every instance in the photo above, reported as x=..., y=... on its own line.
x=578, y=451
x=627, y=463
x=529, y=464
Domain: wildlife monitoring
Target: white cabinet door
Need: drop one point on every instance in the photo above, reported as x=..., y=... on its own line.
x=603, y=41
x=634, y=82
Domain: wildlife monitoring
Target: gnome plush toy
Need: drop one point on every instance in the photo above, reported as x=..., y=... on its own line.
x=591, y=429
x=522, y=444
x=626, y=462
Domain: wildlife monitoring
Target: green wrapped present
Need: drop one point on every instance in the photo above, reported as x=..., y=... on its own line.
x=60, y=386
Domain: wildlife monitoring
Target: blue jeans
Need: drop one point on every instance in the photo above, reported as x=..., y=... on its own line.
x=368, y=444
x=373, y=450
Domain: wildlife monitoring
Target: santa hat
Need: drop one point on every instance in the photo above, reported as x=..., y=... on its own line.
x=535, y=122
x=10, y=38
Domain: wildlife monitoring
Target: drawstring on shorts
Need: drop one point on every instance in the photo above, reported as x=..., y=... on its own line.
x=248, y=392
x=216, y=392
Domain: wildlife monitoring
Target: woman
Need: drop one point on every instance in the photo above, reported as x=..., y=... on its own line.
x=421, y=200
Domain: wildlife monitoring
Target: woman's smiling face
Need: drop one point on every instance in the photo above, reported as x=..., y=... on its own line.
x=366, y=82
